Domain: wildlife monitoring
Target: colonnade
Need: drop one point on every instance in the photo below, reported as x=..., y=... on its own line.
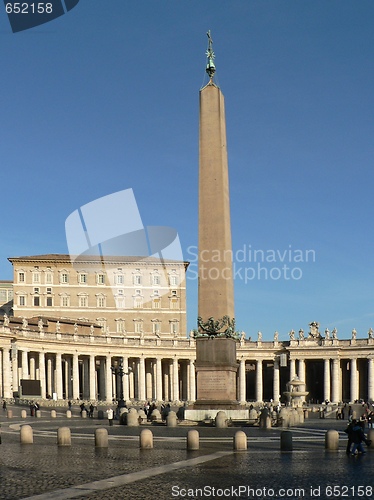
x=171, y=376
x=92, y=377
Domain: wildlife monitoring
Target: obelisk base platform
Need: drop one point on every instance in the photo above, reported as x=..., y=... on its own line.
x=216, y=369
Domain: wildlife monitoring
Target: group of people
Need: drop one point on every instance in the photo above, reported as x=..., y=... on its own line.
x=89, y=411
x=356, y=436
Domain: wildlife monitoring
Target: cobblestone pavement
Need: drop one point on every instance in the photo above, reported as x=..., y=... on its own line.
x=45, y=471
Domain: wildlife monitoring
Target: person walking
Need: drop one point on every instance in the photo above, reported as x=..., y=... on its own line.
x=358, y=437
x=110, y=415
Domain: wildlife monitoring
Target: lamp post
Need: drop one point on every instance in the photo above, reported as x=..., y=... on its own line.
x=118, y=371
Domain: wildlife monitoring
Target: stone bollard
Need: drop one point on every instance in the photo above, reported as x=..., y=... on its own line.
x=101, y=438
x=221, y=420
x=84, y=414
x=193, y=440
x=68, y=413
x=240, y=441
x=100, y=415
x=26, y=434
x=23, y=414
x=146, y=439
x=332, y=440
x=132, y=418
x=253, y=416
x=53, y=414
x=265, y=421
x=171, y=419
x=286, y=441
x=38, y=414
x=371, y=437
x=9, y=413
x=284, y=418
x=142, y=416
x=63, y=436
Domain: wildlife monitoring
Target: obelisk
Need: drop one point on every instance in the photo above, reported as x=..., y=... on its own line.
x=216, y=364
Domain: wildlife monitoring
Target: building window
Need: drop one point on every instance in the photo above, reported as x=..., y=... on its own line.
x=174, y=327
x=138, y=302
x=37, y=301
x=83, y=301
x=64, y=278
x=137, y=279
x=173, y=280
x=100, y=301
x=156, y=280
x=174, y=303
x=21, y=277
x=120, y=302
x=48, y=278
x=156, y=303
x=49, y=291
x=120, y=325
x=138, y=326
x=156, y=327
x=21, y=300
x=83, y=278
x=36, y=290
x=49, y=302
x=120, y=279
x=36, y=277
x=101, y=279
x=65, y=301
x=120, y=292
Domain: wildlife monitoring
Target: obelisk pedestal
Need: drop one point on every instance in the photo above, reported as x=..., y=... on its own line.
x=216, y=368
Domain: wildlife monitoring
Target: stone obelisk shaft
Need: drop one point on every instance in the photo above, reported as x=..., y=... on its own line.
x=215, y=290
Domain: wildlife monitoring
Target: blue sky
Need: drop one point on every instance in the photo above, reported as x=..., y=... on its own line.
x=106, y=98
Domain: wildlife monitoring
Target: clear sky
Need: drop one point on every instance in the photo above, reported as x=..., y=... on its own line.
x=105, y=98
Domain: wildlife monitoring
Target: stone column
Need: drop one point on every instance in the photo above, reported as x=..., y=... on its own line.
x=14, y=370
x=259, y=385
x=102, y=380
x=148, y=380
x=49, y=376
x=32, y=367
x=353, y=367
x=76, y=377
x=58, y=375
x=141, y=389
x=302, y=376
x=1, y=377
x=86, y=377
x=335, y=381
x=292, y=369
x=108, y=378
x=371, y=379
x=242, y=385
x=92, y=377
x=25, y=365
x=326, y=380
x=7, y=392
x=42, y=374
x=175, y=379
x=192, y=384
x=276, y=380
x=125, y=364
x=158, y=379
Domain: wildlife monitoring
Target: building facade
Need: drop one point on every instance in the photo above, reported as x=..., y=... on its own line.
x=124, y=295
x=77, y=360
